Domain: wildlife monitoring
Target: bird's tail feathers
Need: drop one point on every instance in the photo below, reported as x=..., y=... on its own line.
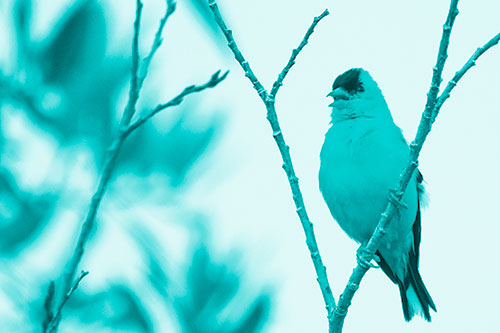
x=415, y=298
x=414, y=295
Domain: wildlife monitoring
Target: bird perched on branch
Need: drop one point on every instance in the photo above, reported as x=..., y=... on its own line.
x=361, y=160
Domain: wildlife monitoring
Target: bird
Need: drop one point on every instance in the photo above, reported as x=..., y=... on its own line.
x=361, y=159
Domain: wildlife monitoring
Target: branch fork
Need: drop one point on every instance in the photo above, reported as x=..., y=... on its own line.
x=138, y=74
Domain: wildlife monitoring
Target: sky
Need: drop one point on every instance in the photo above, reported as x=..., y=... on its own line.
x=246, y=193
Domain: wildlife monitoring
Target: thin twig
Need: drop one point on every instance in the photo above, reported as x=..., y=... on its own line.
x=295, y=52
x=171, y=5
x=133, y=95
x=460, y=73
x=109, y=163
x=113, y=151
x=437, y=70
x=237, y=53
x=47, y=306
x=57, y=314
x=269, y=101
x=214, y=80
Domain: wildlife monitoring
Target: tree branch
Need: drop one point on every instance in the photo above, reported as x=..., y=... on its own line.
x=214, y=80
x=57, y=315
x=269, y=101
x=171, y=5
x=125, y=129
x=236, y=52
x=428, y=117
x=461, y=72
x=133, y=95
x=295, y=52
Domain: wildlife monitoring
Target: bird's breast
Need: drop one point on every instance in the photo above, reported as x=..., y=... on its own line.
x=360, y=161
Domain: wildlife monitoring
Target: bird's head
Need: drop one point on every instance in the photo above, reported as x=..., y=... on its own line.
x=355, y=94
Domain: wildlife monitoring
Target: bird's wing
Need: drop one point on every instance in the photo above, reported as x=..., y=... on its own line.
x=417, y=227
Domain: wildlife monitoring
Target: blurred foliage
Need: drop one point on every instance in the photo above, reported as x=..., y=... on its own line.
x=187, y=140
x=215, y=299
x=67, y=86
x=212, y=290
x=77, y=44
x=22, y=214
x=117, y=307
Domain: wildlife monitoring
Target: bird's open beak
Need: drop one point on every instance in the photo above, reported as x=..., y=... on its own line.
x=338, y=94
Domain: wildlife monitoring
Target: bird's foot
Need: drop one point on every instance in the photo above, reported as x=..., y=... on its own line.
x=394, y=199
x=364, y=258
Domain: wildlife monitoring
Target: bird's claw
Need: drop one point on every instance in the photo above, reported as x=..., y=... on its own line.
x=364, y=257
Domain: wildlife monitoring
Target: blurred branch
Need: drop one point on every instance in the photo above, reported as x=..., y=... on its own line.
x=433, y=105
x=214, y=80
x=47, y=305
x=171, y=5
x=113, y=151
x=133, y=95
x=56, y=317
x=269, y=101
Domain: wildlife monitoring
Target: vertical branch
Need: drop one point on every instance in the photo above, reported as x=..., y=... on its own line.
x=415, y=147
x=125, y=130
x=133, y=94
x=272, y=117
x=136, y=81
x=433, y=105
x=109, y=163
x=171, y=5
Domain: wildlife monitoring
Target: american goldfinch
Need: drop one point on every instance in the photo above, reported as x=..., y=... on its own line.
x=361, y=160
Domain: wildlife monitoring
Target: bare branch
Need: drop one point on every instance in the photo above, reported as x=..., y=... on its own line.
x=47, y=305
x=136, y=81
x=460, y=73
x=424, y=128
x=57, y=314
x=133, y=95
x=279, y=81
x=109, y=163
x=171, y=5
x=237, y=53
x=437, y=70
x=284, y=149
x=214, y=80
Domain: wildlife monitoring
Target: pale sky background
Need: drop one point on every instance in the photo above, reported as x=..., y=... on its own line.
x=246, y=193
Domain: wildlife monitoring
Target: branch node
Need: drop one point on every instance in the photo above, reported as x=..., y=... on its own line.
x=339, y=312
x=395, y=197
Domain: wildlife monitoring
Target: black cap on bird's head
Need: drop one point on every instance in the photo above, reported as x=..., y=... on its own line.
x=354, y=84
x=350, y=81
x=355, y=92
